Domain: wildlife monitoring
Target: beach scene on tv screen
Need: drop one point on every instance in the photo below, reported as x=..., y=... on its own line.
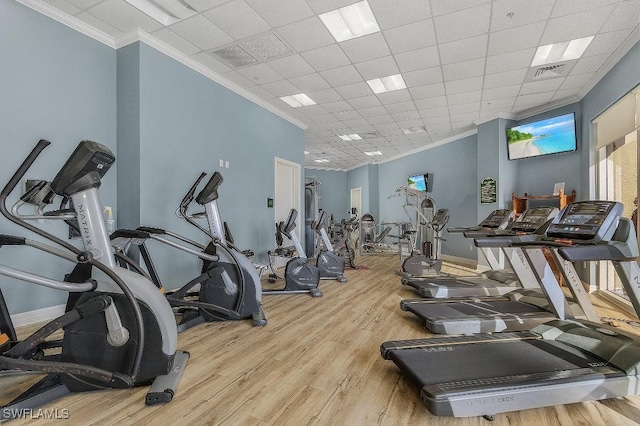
x=543, y=137
x=417, y=183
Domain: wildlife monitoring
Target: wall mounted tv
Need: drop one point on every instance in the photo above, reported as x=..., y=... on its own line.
x=422, y=182
x=543, y=137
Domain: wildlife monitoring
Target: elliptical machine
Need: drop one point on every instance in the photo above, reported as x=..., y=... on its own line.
x=300, y=276
x=229, y=285
x=428, y=264
x=331, y=265
x=116, y=334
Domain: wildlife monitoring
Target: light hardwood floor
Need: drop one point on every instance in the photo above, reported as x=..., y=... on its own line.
x=317, y=362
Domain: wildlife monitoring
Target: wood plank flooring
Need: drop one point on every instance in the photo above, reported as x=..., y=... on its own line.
x=317, y=362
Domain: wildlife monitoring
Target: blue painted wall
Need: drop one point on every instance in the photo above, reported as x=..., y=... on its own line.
x=334, y=194
x=187, y=124
x=455, y=187
x=57, y=84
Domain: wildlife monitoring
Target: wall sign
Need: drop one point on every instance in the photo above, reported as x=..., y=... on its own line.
x=488, y=191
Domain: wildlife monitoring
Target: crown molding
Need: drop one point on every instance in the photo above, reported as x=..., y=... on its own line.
x=547, y=107
x=68, y=20
x=142, y=36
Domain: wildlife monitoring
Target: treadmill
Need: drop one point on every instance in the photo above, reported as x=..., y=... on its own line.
x=559, y=362
x=498, y=283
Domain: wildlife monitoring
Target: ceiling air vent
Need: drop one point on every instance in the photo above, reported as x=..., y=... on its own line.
x=235, y=55
x=549, y=72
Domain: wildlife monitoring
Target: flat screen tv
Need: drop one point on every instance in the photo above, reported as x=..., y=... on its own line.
x=543, y=137
x=422, y=182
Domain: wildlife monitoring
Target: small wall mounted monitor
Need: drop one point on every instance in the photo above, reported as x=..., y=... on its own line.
x=422, y=182
x=543, y=137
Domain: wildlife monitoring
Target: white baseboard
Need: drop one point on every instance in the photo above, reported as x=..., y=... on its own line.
x=39, y=315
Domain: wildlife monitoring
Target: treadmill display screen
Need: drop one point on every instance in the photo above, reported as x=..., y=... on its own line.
x=533, y=219
x=495, y=219
x=581, y=220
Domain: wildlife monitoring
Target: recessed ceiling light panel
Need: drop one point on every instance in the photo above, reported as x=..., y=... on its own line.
x=351, y=21
x=298, y=100
x=166, y=12
x=372, y=153
x=351, y=137
x=560, y=52
x=414, y=130
x=321, y=160
x=387, y=84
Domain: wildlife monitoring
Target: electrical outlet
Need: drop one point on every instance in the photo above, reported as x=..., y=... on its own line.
x=226, y=164
x=221, y=162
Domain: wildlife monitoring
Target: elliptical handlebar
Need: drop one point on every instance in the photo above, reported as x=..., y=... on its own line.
x=210, y=190
x=26, y=164
x=186, y=200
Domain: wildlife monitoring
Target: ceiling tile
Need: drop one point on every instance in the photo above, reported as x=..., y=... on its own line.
x=84, y=4
x=412, y=36
x=310, y=82
x=515, y=39
x=463, y=24
x=311, y=110
x=394, y=96
x=470, y=107
x=524, y=12
x=533, y=99
x=589, y=64
x=406, y=116
x=427, y=91
x=440, y=7
x=281, y=12
x=121, y=15
x=501, y=92
x=237, y=19
x=463, y=85
x=430, y=119
x=575, y=81
x=401, y=107
x=373, y=111
x=356, y=122
x=382, y=119
x=354, y=90
x=463, y=50
x=507, y=78
x=550, y=85
x=394, y=13
x=260, y=92
x=504, y=103
x=432, y=102
x=322, y=6
x=365, y=48
x=324, y=95
x=201, y=32
x=306, y=34
x=364, y=102
x=291, y=66
x=281, y=88
x=464, y=98
x=338, y=106
x=575, y=26
x=326, y=57
x=175, y=41
x=510, y=61
x=563, y=94
x=418, y=59
x=239, y=79
x=376, y=68
x=422, y=77
x=342, y=75
x=625, y=15
x=202, y=5
x=606, y=43
x=100, y=25
x=568, y=7
x=260, y=73
x=465, y=69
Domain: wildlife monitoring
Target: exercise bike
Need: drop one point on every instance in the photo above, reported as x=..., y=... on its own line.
x=299, y=275
x=228, y=287
x=118, y=333
x=331, y=265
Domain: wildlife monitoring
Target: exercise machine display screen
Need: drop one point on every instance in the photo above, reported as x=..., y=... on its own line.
x=533, y=219
x=495, y=219
x=583, y=220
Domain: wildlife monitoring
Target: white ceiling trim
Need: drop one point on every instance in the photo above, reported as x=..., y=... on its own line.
x=323, y=169
x=142, y=36
x=546, y=108
x=69, y=21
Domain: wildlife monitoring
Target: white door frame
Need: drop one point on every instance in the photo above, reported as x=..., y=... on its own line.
x=296, y=188
x=354, y=191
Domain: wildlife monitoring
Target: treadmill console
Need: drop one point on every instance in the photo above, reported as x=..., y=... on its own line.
x=533, y=218
x=496, y=219
x=586, y=220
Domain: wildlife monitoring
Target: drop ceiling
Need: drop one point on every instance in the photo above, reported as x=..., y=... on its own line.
x=463, y=61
